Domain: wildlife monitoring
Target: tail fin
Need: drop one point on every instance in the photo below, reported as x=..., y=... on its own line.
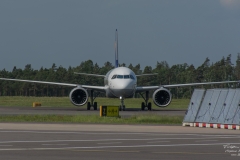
x=116, y=49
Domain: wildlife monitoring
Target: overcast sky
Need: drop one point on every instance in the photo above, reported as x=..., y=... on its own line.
x=67, y=32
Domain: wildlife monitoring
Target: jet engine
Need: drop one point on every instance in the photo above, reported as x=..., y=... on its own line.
x=162, y=97
x=78, y=96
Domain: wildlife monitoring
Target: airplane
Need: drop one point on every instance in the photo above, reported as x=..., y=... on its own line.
x=120, y=82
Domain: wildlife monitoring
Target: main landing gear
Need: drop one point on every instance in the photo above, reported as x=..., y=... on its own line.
x=92, y=103
x=146, y=104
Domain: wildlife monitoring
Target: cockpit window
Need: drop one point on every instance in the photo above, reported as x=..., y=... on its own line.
x=114, y=76
x=120, y=76
x=126, y=77
x=131, y=76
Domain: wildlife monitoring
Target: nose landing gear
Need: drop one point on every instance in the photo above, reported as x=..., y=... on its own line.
x=122, y=106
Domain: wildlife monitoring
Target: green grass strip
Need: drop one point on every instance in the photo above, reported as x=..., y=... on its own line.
x=65, y=102
x=136, y=119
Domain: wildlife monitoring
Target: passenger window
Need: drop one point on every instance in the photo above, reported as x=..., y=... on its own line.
x=120, y=76
x=126, y=76
x=114, y=76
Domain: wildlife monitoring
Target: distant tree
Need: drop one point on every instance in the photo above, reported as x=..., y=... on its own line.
x=179, y=73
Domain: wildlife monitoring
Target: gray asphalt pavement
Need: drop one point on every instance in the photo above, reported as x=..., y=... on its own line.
x=81, y=111
x=26, y=141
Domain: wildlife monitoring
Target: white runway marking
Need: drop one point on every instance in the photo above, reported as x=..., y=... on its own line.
x=54, y=144
x=131, y=146
x=206, y=140
x=96, y=140
x=158, y=141
x=105, y=133
x=111, y=143
x=98, y=133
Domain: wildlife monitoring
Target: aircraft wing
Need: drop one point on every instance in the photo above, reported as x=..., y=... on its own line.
x=87, y=74
x=99, y=88
x=151, y=74
x=147, y=88
x=197, y=84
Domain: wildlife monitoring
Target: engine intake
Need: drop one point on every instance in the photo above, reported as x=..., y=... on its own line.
x=78, y=96
x=162, y=97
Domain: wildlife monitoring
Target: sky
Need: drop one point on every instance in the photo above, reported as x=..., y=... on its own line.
x=68, y=32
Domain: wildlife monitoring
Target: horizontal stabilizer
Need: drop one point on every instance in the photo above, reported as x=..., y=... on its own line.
x=87, y=74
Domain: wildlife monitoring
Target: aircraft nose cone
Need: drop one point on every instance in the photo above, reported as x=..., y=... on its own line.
x=126, y=86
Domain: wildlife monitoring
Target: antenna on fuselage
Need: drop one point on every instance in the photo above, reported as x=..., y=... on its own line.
x=116, y=49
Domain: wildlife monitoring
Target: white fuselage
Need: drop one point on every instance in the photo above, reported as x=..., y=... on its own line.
x=120, y=82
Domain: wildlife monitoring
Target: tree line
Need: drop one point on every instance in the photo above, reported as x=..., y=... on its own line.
x=176, y=74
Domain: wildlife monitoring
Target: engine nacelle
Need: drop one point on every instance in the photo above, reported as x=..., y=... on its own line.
x=78, y=96
x=162, y=97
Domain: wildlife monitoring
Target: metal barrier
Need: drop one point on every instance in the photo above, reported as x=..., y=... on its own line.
x=215, y=108
x=218, y=108
x=205, y=106
x=194, y=105
x=212, y=105
x=228, y=103
x=234, y=112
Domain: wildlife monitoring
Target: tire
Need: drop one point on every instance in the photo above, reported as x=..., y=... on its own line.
x=149, y=106
x=124, y=108
x=95, y=105
x=143, y=106
x=120, y=108
x=88, y=106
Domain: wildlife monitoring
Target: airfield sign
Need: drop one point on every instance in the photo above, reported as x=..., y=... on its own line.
x=109, y=111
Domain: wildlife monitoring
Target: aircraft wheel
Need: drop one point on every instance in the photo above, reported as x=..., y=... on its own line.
x=88, y=106
x=143, y=106
x=149, y=106
x=124, y=108
x=120, y=108
x=95, y=105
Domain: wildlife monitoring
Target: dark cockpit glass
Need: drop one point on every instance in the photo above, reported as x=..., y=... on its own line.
x=131, y=77
x=114, y=76
x=120, y=76
x=126, y=77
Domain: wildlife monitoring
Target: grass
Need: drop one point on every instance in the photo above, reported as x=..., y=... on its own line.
x=137, y=119
x=65, y=102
